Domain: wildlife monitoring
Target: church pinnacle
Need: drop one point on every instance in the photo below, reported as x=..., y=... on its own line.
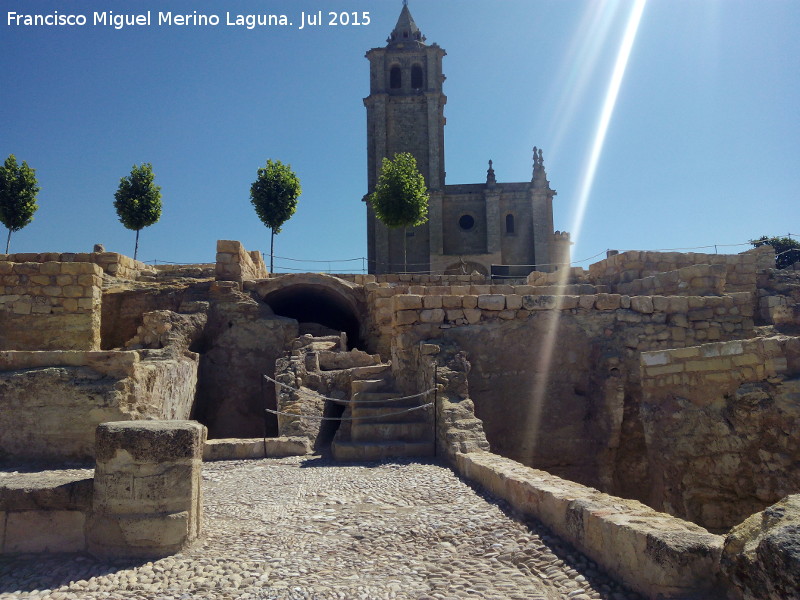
x=539, y=178
x=406, y=29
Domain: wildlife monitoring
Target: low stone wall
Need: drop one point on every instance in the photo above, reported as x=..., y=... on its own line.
x=50, y=305
x=720, y=423
x=51, y=402
x=45, y=511
x=234, y=263
x=190, y=271
x=741, y=269
x=114, y=264
x=251, y=448
x=144, y=499
x=680, y=319
x=657, y=555
x=697, y=280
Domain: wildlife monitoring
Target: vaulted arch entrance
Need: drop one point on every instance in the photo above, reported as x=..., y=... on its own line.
x=320, y=303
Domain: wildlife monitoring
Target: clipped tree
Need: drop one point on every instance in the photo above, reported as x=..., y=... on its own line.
x=18, y=189
x=138, y=200
x=401, y=197
x=787, y=250
x=274, y=196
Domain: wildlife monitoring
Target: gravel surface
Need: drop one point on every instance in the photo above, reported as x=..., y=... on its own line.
x=310, y=528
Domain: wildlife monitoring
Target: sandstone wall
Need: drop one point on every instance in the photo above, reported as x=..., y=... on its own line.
x=741, y=269
x=722, y=424
x=50, y=305
x=234, y=263
x=555, y=379
x=51, y=402
x=242, y=341
x=697, y=280
x=112, y=263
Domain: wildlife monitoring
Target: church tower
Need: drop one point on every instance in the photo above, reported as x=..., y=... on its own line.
x=405, y=113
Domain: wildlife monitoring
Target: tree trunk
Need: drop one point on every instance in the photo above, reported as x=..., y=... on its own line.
x=271, y=249
x=136, y=248
x=8, y=239
x=405, y=258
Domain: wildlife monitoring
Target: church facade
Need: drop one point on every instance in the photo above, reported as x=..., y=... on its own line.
x=501, y=228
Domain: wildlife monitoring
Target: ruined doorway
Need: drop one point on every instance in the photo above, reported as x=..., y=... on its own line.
x=319, y=310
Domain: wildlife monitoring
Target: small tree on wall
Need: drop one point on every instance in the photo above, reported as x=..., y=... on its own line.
x=401, y=197
x=138, y=200
x=18, y=189
x=787, y=250
x=274, y=195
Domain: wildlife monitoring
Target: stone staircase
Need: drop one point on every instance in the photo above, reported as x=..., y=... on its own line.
x=381, y=427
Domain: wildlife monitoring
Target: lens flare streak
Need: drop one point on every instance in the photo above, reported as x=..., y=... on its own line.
x=544, y=362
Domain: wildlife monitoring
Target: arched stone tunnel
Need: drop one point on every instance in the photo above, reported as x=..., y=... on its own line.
x=319, y=299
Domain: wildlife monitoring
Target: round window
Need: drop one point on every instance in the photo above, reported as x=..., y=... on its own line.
x=466, y=222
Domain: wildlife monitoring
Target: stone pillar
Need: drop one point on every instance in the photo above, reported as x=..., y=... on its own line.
x=147, y=488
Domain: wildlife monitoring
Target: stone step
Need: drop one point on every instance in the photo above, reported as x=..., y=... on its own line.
x=355, y=451
x=411, y=431
x=359, y=386
x=371, y=371
x=393, y=413
x=386, y=397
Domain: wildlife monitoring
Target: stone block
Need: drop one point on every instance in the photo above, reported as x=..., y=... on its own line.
x=473, y=315
x=432, y=302
x=513, y=302
x=454, y=314
x=607, y=301
x=642, y=304
x=229, y=246
x=407, y=302
x=139, y=536
x=586, y=302
x=406, y=317
x=569, y=302
x=73, y=291
x=655, y=358
x=45, y=531
x=147, y=487
x=451, y=302
x=540, y=302
x=435, y=315
x=469, y=302
x=492, y=302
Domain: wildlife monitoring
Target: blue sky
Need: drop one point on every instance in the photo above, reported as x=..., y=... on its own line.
x=702, y=147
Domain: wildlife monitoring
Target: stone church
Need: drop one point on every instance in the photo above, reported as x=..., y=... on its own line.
x=499, y=228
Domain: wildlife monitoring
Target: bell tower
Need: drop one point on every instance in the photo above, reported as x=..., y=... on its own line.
x=405, y=113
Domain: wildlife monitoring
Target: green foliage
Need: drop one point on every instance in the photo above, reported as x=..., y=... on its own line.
x=138, y=200
x=787, y=250
x=401, y=198
x=274, y=194
x=18, y=189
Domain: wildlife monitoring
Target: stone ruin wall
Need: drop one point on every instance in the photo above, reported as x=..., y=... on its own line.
x=234, y=263
x=50, y=305
x=722, y=423
x=51, y=402
x=589, y=415
x=740, y=269
x=589, y=410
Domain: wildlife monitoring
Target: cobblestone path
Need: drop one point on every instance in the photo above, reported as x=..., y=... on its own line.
x=308, y=528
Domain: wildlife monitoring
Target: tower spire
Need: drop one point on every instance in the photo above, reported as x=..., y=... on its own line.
x=406, y=29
